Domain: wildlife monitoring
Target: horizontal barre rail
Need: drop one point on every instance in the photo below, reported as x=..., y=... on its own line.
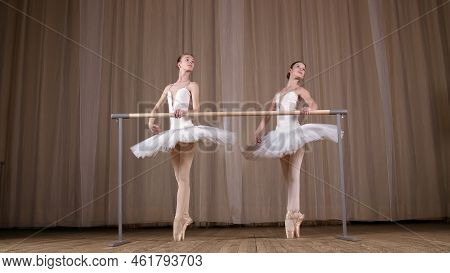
x=230, y=114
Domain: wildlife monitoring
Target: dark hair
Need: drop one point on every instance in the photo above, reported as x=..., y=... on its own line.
x=292, y=65
x=182, y=55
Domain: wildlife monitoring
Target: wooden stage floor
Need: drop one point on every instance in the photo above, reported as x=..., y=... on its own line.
x=374, y=237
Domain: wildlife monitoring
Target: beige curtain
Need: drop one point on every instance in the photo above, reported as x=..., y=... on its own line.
x=67, y=65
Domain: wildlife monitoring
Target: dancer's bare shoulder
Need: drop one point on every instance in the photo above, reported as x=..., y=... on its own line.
x=193, y=88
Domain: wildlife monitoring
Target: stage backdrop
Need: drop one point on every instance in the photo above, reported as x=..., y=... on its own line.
x=67, y=65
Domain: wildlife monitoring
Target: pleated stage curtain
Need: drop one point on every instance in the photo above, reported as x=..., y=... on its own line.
x=67, y=65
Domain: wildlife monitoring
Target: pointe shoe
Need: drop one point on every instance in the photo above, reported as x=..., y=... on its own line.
x=292, y=224
x=179, y=227
x=289, y=224
x=188, y=222
x=298, y=223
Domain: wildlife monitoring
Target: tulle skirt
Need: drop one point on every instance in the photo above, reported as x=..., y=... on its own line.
x=167, y=140
x=279, y=142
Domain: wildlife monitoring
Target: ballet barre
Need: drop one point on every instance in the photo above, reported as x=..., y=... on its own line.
x=229, y=114
x=339, y=113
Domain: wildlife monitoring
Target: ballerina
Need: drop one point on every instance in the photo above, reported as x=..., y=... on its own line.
x=287, y=141
x=180, y=140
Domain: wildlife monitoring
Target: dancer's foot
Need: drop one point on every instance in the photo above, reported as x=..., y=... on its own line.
x=298, y=223
x=179, y=227
x=289, y=225
x=292, y=224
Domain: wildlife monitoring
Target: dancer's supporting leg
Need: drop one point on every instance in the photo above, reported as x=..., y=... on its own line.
x=291, y=165
x=182, y=156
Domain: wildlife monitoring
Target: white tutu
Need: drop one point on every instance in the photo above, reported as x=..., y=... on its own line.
x=182, y=130
x=289, y=136
x=279, y=143
x=167, y=140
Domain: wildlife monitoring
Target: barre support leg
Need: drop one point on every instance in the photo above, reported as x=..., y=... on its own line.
x=120, y=240
x=344, y=235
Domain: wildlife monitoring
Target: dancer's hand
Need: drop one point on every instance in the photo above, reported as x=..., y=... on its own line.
x=258, y=137
x=154, y=128
x=179, y=113
x=306, y=110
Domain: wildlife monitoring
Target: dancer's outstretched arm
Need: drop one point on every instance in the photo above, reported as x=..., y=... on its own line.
x=262, y=125
x=151, y=121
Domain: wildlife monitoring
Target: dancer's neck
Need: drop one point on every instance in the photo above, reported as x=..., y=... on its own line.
x=183, y=77
x=292, y=84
